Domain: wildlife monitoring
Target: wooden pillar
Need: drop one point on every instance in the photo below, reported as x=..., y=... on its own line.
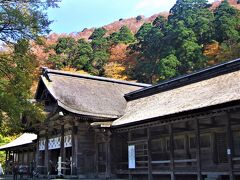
x=129, y=170
x=46, y=158
x=74, y=151
x=36, y=158
x=229, y=147
x=62, y=149
x=22, y=159
x=28, y=162
x=6, y=161
x=171, y=146
x=149, y=155
x=108, y=153
x=198, y=152
x=62, y=142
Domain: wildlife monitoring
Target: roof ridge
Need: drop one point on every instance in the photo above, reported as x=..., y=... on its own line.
x=46, y=70
x=197, y=76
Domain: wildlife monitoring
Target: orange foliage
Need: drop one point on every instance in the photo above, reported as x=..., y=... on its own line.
x=211, y=51
x=118, y=53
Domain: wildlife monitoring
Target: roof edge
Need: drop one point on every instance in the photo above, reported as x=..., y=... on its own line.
x=183, y=114
x=180, y=81
x=46, y=71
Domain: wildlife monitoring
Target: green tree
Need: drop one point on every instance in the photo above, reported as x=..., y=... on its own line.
x=84, y=53
x=168, y=67
x=149, y=53
x=196, y=16
x=64, y=45
x=124, y=35
x=143, y=31
x=100, y=54
x=24, y=19
x=98, y=33
x=227, y=23
x=71, y=53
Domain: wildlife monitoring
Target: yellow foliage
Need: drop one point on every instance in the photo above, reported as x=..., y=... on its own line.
x=115, y=70
x=70, y=69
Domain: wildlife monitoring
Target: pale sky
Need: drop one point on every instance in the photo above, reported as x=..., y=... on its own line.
x=75, y=15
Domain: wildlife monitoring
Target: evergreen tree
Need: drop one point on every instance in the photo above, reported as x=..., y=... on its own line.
x=124, y=35
x=98, y=33
x=100, y=54
x=196, y=16
x=227, y=23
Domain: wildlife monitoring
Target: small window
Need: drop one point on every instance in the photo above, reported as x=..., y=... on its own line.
x=236, y=143
x=192, y=142
x=205, y=141
x=179, y=143
x=157, y=145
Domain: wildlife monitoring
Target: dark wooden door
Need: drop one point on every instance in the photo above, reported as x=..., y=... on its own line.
x=221, y=147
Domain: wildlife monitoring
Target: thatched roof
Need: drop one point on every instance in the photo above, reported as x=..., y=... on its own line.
x=24, y=139
x=218, y=89
x=87, y=95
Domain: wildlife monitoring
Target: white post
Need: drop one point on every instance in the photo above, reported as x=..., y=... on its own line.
x=71, y=165
x=59, y=166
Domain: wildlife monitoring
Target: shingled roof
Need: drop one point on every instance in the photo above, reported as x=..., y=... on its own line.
x=23, y=140
x=213, y=86
x=87, y=95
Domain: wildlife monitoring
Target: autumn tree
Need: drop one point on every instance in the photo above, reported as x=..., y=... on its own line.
x=21, y=21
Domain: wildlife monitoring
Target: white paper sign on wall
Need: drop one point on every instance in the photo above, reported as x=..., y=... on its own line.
x=41, y=145
x=131, y=157
x=54, y=143
x=67, y=141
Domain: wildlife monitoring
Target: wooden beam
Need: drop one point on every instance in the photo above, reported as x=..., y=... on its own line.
x=198, y=154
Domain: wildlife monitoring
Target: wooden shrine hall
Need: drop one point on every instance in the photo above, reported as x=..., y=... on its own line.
x=185, y=128
x=20, y=151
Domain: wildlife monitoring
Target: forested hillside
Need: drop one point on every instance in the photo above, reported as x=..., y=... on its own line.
x=193, y=35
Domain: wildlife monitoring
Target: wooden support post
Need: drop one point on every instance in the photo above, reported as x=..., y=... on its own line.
x=6, y=161
x=171, y=146
x=229, y=147
x=129, y=170
x=22, y=158
x=62, y=142
x=36, y=158
x=149, y=155
x=74, y=152
x=28, y=162
x=108, y=154
x=198, y=153
x=46, y=159
x=62, y=149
